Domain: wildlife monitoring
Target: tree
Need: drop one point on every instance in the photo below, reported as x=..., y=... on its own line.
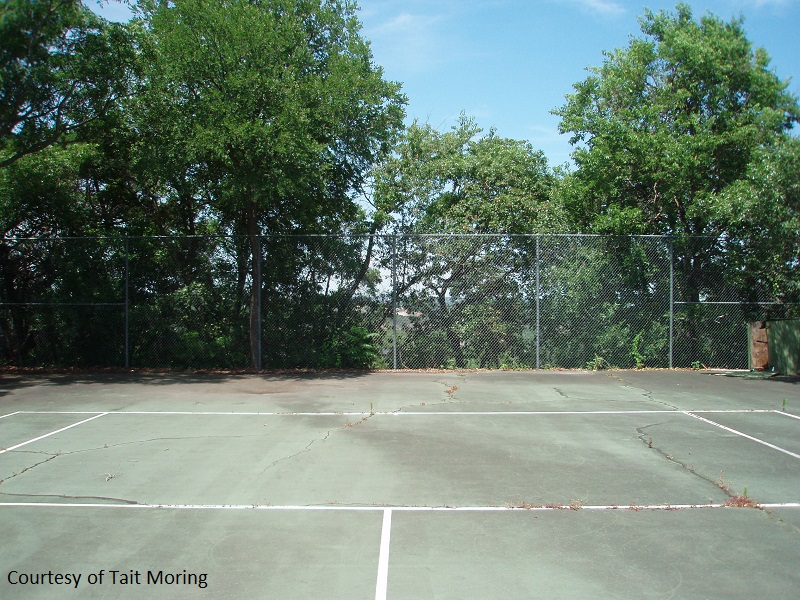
x=63, y=75
x=276, y=106
x=461, y=181
x=61, y=69
x=666, y=125
x=465, y=294
x=761, y=213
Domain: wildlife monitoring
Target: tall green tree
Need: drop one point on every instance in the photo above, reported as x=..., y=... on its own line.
x=667, y=124
x=275, y=106
x=64, y=75
x=61, y=69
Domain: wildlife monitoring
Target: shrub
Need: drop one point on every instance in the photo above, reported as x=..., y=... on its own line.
x=355, y=348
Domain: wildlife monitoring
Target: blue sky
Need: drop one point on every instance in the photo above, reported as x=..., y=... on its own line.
x=508, y=63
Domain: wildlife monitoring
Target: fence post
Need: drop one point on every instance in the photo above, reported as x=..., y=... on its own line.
x=394, y=300
x=671, y=297
x=260, y=300
x=538, y=308
x=127, y=304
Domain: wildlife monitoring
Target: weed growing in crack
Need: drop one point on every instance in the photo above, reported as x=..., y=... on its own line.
x=742, y=501
x=576, y=504
x=361, y=420
x=725, y=486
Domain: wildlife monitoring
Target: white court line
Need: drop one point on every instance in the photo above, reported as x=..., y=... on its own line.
x=41, y=437
x=785, y=414
x=9, y=415
x=383, y=559
x=744, y=435
x=400, y=413
x=202, y=413
x=385, y=509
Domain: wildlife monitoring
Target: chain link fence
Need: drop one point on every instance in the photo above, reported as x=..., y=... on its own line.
x=416, y=301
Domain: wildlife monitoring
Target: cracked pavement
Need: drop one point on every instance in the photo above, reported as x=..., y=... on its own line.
x=388, y=441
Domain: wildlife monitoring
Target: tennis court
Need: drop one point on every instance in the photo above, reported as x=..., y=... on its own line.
x=457, y=485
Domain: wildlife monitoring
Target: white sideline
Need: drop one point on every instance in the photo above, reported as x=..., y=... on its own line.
x=41, y=437
x=744, y=435
x=785, y=414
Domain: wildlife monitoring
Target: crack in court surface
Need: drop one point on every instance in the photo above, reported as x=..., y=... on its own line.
x=365, y=417
x=123, y=501
x=308, y=446
x=648, y=394
x=689, y=468
x=33, y=466
x=303, y=451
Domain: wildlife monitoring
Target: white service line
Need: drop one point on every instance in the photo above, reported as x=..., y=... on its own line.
x=9, y=415
x=382, y=584
x=744, y=435
x=400, y=413
x=41, y=437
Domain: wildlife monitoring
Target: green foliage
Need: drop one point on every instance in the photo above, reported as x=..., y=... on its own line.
x=638, y=357
x=511, y=362
x=80, y=274
x=670, y=121
x=273, y=111
x=61, y=69
x=450, y=364
x=665, y=127
x=598, y=363
x=354, y=348
x=761, y=213
x=238, y=117
x=463, y=182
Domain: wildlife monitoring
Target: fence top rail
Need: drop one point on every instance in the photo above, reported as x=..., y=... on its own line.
x=738, y=303
x=122, y=238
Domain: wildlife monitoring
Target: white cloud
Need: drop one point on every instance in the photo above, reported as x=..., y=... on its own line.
x=602, y=7
x=760, y=3
x=408, y=43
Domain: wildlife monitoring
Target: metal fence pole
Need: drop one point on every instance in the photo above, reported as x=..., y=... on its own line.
x=538, y=308
x=127, y=305
x=260, y=299
x=394, y=300
x=671, y=297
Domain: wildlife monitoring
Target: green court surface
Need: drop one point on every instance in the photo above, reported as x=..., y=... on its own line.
x=451, y=485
